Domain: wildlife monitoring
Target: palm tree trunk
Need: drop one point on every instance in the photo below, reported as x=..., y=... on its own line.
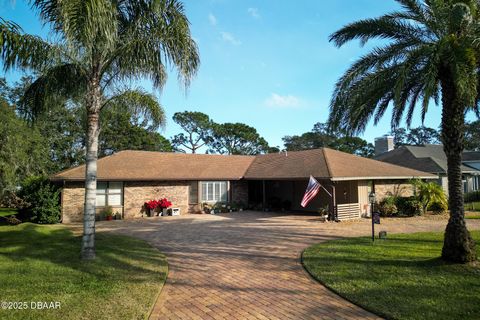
x=93, y=111
x=458, y=245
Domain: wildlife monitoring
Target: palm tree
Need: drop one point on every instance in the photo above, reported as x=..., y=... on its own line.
x=430, y=53
x=429, y=193
x=97, y=45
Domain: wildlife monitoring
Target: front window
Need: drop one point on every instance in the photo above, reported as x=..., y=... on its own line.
x=214, y=191
x=109, y=194
x=193, y=192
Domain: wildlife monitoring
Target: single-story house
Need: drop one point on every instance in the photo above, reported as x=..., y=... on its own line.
x=431, y=158
x=127, y=179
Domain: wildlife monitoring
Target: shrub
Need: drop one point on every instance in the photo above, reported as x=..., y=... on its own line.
x=11, y=200
x=438, y=207
x=386, y=207
x=409, y=206
x=220, y=207
x=472, y=196
x=44, y=200
x=428, y=193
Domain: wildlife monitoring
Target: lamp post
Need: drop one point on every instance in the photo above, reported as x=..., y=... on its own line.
x=372, y=197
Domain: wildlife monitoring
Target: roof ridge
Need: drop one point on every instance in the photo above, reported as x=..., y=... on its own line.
x=187, y=154
x=330, y=174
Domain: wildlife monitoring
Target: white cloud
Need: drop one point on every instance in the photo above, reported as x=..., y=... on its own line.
x=212, y=19
x=278, y=101
x=254, y=13
x=228, y=37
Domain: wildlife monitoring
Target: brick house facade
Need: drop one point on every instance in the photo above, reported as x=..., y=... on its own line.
x=126, y=180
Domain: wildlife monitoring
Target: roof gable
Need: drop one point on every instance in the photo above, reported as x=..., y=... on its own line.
x=428, y=158
x=289, y=165
x=344, y=165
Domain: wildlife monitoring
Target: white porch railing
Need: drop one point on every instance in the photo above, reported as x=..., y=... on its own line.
x=348, y=211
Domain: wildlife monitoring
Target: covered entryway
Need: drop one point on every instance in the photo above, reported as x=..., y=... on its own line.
x=344, y=200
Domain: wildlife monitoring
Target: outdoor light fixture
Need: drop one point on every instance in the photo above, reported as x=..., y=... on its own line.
x=372, y=197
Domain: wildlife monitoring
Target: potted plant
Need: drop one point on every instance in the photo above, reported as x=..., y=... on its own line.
x=150, y=207
x=118, y=216
x=107, y=212
x=164, y=204
x=206, y=207
x=324, y=212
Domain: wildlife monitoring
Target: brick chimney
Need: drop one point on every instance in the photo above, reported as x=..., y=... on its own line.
x=383, y=144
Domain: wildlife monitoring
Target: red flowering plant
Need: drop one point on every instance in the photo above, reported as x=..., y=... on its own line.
x=164, y=203
x=152, y=204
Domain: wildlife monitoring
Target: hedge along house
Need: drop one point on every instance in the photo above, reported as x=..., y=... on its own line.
x=126, y=180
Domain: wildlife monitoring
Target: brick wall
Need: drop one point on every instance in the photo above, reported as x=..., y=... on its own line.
x=137, y=193
x=73, y=196
x=384, y=188
x=239, y=191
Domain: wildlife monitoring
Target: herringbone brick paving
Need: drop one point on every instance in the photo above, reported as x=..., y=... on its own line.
x=246, y=265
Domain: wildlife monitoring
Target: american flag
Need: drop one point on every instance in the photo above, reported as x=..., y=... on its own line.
x=312, y=190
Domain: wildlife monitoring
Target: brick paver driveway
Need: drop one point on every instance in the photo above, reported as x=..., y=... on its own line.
x=247, y=265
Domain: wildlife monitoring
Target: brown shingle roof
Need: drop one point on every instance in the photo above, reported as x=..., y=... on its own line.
x=321, y=163
x=428, y=158
x=289, y=165
x=145, y=166
x=326, y=163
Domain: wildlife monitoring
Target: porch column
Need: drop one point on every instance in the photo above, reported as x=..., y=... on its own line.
x=334, y=203
x=264, y=198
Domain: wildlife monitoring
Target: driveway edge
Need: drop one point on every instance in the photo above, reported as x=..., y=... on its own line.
x=320, y=282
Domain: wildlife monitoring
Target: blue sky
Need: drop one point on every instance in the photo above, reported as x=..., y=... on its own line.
x=264, y=63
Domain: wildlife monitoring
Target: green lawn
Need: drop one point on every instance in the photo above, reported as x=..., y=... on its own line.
x=398, y=278
x=41, y=263
x=472, y=206
x=7, y=212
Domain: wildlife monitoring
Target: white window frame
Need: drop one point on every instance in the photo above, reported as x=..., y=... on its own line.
x=216, y=196
x=107, y=193
x=476, y=183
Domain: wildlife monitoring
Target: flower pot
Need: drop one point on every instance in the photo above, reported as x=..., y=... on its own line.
x=109, y=218
x=164, y=212
x=152, y=213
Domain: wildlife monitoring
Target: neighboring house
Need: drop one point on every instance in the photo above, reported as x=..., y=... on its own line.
x=431, y=158
x=273, y=181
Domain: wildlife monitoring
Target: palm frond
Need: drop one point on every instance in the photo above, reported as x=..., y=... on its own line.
x=24, y=51
x=156, y=35
x=405, y=72
x=144, y=107
x=89, y=23
x=384, y=27
x=67, y=81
